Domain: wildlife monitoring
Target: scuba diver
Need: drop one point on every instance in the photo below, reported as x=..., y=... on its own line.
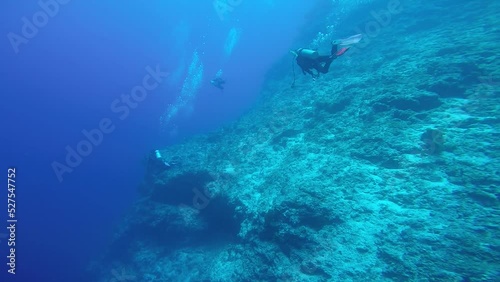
x=218, y=82
x=308, y=59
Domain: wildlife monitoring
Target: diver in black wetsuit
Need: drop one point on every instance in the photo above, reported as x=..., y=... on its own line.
x=309, y=60
x=218, y=82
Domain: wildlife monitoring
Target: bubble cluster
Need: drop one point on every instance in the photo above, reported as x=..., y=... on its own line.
x=190, y=87
x=232, y=39
x=339, y=14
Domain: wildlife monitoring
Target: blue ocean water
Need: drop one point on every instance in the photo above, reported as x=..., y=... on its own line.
x=91, y=89
x=64, y=79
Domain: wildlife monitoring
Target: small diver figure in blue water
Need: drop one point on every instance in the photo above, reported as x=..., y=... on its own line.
x=158, y=162
x=218, y=82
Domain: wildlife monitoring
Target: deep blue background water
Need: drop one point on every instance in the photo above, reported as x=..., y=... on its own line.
x=64, y=80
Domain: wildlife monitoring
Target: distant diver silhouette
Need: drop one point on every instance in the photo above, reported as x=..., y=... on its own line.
x=218, y=82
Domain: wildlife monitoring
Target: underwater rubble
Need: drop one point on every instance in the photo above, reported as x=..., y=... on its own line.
x=385, y=169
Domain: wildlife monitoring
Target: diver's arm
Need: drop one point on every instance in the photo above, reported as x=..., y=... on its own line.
x=304, y=65
x=305, y=70
x=308, y=71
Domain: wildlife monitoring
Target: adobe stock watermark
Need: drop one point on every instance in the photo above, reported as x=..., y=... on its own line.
x=121, y=108
x=30, y=28
x=372, y=28
x=225, y=7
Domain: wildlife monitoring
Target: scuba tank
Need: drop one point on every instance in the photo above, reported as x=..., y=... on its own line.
x=307, y=53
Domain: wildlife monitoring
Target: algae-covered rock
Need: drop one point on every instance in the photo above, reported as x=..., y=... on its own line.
x=385, y=169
